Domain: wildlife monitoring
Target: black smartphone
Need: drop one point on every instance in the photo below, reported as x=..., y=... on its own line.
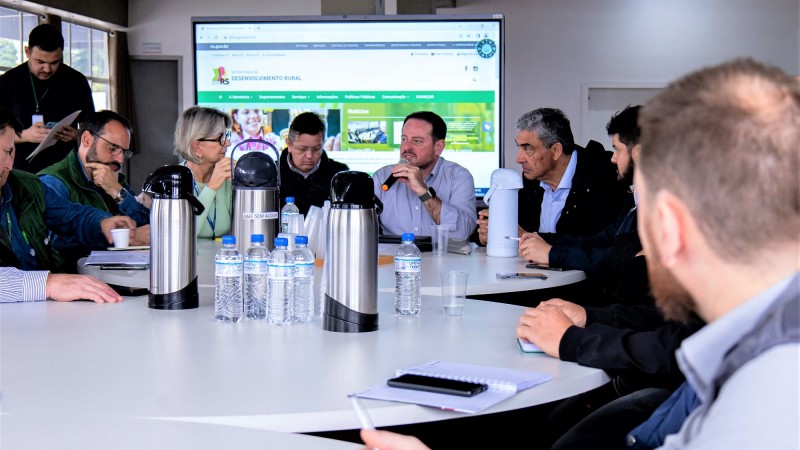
x=539, y=266
x=438, y=385
x=129, y=291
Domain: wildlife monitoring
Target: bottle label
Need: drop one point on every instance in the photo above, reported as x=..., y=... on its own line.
x=304, y=269
x=255, y=267
x=281, y=271
x=411, y=264
x=228, y=269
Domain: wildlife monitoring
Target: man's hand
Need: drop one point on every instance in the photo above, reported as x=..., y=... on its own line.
x=67, y=134
x=576, y=313
x=104, y=176
x=112, y=222
x=140, y=236
x=411, y=176
x=483, y=226
x=544, y=326
x=36, y=133
x=65, y=288
x=535, y=249
x=387, y=440
x=222, y=172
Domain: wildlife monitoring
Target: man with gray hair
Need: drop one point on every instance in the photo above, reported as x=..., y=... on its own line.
x=566, y=189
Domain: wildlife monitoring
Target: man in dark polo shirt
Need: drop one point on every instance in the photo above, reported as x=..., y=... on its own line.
x=42, y=90
x=305, y=169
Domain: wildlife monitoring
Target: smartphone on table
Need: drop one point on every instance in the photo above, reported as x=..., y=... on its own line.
x=438, y=385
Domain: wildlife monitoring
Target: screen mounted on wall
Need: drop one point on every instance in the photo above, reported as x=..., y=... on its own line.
x=363, y=75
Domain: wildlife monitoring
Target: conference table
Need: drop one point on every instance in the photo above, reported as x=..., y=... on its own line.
x=125, y=361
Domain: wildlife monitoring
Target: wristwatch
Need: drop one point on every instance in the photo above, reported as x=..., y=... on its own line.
x=122, y=195
x=429, y=194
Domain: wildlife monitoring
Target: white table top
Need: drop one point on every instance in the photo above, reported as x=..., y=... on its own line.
x=81, y=432
x=128, y=361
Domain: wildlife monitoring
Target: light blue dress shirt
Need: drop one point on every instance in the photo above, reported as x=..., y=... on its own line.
x=403, y=212
x=21, y=285
x=553, y=201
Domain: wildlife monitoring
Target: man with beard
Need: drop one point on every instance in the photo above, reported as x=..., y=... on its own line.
x=42, y=90
x=431, y=191
x=611, y=258
x=90, y=176
x=30, y=210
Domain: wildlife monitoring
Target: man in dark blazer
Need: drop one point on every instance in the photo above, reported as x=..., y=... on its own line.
x=566, y=189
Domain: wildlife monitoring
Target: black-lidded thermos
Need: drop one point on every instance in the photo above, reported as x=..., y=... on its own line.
x=173, y=238
x=351, y=255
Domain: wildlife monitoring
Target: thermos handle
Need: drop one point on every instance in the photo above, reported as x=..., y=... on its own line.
x=259, y=141
x=197, y=207
x=489, y=194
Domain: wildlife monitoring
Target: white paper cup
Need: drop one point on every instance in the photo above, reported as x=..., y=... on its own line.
x=121, y=237
x=454, y=292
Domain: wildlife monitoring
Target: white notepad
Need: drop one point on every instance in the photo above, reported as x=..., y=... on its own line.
x=502, y=382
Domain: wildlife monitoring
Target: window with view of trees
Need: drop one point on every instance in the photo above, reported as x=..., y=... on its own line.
x=85, y=49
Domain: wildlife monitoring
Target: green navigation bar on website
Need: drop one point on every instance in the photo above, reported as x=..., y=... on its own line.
x=346, y=97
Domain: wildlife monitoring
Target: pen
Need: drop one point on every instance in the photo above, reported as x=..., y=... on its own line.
x=512, y=238
x=361, y=412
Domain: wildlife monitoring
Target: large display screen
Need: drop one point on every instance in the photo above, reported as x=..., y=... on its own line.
x=363, y=75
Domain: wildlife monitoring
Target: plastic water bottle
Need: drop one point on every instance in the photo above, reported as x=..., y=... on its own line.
x=288, y=209
x=280, y=303
x=407, y=267
x=255, y=279
x=228, y=282
x=303, y=280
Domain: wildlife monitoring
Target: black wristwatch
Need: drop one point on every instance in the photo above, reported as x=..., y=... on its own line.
x=122, y=195
x=429, y=194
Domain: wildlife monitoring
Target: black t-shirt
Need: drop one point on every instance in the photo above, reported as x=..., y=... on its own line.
x=66, y=92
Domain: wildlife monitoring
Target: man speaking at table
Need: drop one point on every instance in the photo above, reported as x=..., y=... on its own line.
x=44, y=90
x=430, y=190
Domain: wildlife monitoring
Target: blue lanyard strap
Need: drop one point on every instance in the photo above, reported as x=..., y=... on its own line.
x=211, y=222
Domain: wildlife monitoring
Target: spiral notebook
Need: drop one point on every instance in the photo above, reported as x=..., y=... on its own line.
x=503, y=383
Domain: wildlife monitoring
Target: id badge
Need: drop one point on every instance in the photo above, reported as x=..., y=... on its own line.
x=36, y=118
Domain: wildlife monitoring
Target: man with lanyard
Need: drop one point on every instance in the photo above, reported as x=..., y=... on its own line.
x=44, y=90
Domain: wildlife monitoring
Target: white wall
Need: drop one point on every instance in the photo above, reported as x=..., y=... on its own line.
x=552, y=47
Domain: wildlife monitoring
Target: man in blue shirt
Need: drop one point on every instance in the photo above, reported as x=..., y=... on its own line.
x=29, y=210
x=431, y=191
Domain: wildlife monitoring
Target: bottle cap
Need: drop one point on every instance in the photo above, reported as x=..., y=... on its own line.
x=257, y=238
x=281, y=242
x=407, y=237
x=228, y=240
x=301, y=240
x=289, y=199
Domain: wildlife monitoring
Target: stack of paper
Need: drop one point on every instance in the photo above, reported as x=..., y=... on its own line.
x=135, y=259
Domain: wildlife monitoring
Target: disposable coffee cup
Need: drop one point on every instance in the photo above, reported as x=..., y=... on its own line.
x=441, y=235
x=454, y=292
x=121, y=237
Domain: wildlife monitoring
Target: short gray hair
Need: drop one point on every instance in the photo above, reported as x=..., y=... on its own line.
x=196, y=123
x=550, y=125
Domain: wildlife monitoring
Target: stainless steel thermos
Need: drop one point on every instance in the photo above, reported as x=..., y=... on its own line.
x=351, y=255
x=173, y=240
x=256, y=208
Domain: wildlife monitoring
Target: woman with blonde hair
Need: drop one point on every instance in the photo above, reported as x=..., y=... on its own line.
x=201, y=139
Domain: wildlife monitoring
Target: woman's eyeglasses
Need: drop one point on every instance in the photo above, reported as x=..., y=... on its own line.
x=222, y=139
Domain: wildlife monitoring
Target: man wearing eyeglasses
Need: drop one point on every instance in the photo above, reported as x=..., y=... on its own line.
x=305, y=169
x=90, y=175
